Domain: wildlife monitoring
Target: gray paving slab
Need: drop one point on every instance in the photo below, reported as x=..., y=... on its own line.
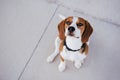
x=102, y=62
x=22, y=23
x=107, y=10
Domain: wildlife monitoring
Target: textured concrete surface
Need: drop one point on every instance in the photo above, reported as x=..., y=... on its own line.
x=28, y=30
x=22, y=23
x=106, y=10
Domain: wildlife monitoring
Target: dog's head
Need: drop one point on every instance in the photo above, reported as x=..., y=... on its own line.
x=75, y=27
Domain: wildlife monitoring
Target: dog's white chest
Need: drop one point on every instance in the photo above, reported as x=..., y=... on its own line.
x=74, y=44
x=72, y=56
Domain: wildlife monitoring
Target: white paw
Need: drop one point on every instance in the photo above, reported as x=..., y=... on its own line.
x=61, y=66
x=77, y=65
x=50, y=58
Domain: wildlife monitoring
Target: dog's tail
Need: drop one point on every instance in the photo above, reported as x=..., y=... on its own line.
x=61, y=16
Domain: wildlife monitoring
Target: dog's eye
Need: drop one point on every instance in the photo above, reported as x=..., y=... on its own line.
x=68, y=22
x=79, y=24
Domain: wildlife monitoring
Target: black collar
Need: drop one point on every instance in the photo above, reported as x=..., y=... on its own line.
x=69, y=48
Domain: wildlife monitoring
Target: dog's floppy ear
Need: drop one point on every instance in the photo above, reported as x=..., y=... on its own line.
x=61, y=29
x=87, y=32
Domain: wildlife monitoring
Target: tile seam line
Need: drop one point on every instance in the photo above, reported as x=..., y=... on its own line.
x=19, y=77
x=94, y=17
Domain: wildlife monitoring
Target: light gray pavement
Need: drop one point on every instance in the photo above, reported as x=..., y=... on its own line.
x=22, y=23
x=28, y=30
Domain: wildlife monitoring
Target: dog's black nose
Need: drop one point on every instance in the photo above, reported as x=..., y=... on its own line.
x=71, y=29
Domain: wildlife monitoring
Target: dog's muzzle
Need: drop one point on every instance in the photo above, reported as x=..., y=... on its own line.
x=71, y=29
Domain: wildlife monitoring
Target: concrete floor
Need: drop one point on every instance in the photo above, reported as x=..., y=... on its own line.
x=28, y=29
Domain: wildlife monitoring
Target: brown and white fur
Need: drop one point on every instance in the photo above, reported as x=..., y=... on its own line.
x=75, y=33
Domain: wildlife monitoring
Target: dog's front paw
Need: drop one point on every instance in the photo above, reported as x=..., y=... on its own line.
x=50, y=58
x=77, y=65
x=61, y=66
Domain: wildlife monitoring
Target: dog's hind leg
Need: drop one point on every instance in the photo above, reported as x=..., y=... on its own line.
x=56, y=52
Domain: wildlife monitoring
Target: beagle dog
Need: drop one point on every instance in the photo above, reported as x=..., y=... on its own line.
x=72, y=41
